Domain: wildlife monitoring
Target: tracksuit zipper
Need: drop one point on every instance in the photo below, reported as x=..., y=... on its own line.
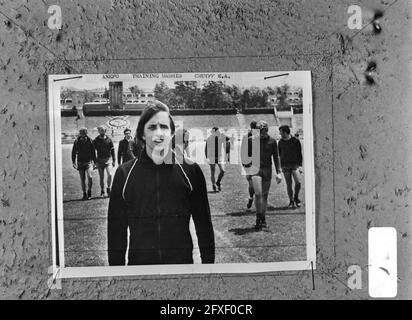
x=158, y=213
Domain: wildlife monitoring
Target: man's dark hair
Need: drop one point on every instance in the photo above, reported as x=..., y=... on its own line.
x=83, y=130
x=253, y=124
x=152, y=109
x=215, y=129
x=285, y=128
x=127, y=130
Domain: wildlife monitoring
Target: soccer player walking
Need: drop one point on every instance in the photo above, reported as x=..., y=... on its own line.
x=246, y=142
x=106, y=159
x=123, y=152
x=215, y=152
x=84, y=159
x=261, y=179
x=290, y=152
x=154, y=199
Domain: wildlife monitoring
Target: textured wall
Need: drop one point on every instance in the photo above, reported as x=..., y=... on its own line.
x=362, y=153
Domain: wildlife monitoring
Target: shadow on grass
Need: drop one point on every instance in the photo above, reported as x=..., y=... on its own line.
x=243, y=231
x=289, y=213
x=241, y=213
x=249, y=213
x=282, y=208
x=85, y=201
x=286, y=211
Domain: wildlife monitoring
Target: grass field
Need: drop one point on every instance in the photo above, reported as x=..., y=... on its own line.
x=237, y=241
x=200, y=122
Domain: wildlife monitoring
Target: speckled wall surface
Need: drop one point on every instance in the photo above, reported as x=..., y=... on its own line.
x=362, y=133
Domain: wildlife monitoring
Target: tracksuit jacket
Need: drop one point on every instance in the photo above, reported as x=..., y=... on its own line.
x=104, y=148
x=124, y=153
x=83, y=149
x=156, y=203
x=214, y=149
x=290, y=152
x=268, y=151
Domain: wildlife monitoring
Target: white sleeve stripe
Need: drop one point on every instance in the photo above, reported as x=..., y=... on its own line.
x=127, y=179
x=184, y=173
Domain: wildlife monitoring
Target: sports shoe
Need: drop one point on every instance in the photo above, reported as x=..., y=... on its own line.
x=218, y=186
x=258, y=223
x=102, y=194
x=297, y=202
x=249, y=203
x=108, y=191
x=84, y=196
x=214, y=187
x=89, y=194
x=291, y=205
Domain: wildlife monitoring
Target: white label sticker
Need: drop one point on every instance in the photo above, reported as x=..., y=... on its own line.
x=383, y=272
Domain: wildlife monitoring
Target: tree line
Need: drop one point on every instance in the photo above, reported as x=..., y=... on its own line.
x=88, y=95
x=212, y=95
x=217, y=95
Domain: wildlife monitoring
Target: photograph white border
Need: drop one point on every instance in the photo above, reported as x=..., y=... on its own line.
x=231, y=268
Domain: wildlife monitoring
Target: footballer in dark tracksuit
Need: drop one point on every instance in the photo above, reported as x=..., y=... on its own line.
x=124, y=152
x=217, y=149
x=155, y=202
x=246, y=141
x=261, y=180
x=290, y=152
x=105, y=159
x=84, y=159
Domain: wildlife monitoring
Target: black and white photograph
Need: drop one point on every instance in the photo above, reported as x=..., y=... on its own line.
x=226, y=154
x=182, y=173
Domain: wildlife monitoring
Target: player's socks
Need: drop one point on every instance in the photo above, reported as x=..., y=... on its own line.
x=259, y=221
x=249, y=203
